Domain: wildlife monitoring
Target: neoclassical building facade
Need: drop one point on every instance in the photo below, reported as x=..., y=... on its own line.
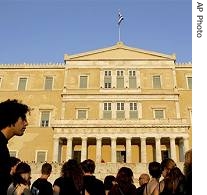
x=113, y=105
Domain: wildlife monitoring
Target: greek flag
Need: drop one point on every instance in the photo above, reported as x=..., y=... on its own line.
x=120, y=18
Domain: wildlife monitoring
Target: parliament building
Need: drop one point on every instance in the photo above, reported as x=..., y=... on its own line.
x=117, y=105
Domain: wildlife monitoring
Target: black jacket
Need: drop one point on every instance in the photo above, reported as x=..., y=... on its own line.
x=93, y=186
x=5, y=178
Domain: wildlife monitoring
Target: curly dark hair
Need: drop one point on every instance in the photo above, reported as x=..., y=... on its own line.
x=10, y=111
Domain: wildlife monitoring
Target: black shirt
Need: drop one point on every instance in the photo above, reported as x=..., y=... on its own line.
x=5, y=178
x=67, y=186
x=93, y=186
x=41, y=187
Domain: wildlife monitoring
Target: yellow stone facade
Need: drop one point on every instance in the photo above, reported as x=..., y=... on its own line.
x=116, y=104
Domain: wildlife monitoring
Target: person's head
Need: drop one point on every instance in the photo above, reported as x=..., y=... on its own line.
x=124, y=176
x=22, y=174
x=14, y=162
x=109, y=181
x=46, y=169
x=188, y=162
x=143, y=179
x=72, y=169
x=13, y=118
x=174, y=179
x=88, y=166
x=166, y=165
x=154, y=169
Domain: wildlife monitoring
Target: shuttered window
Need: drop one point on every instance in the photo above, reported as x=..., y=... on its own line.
x=132, y=79
x=120, y=79
x=41, y=156
x=48, y=83
x=83, y=81
x=189, y=82
x=45, y=115
x=133, y=113
x=22, y=84
x=107, y=113
x=158, y=114
x=156, y=82
x=120, y=113
x=82, y=114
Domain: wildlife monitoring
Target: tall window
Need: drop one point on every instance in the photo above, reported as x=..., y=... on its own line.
x=81, y=114
x=83, y=82
x=120, y=79
x=132, y=79
x=189, y=82
x=120, y=114
x=107, y=79
x=45, y=116
x=41, y=156
x=159, y=114
x=156, y=82
x=107, y=113
x=22, y=84
x=133, y=113
x=48, y=83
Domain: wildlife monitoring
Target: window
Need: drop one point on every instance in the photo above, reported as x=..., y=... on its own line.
x=107, y=113
x=48, y=83
x=41, y=156
x=120, y=79
x=132, y=79
x=82, y=114
x=133, y=113
x=13, y=153
x=120, y=114
x=189, y=82
x=45, y=115
x=83, y=82
x=22, y=84
x=156, y=82
x=121, y=156
x=159, y=114
x=107, y=79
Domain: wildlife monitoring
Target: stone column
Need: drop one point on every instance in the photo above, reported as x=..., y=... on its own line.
x=113, y=150
x=158, y=149
x=69, y=148
x=173, y=149
x=143, y=150
x=128, y=149
x=98, y=149
x=84, y=149
x=55, y=149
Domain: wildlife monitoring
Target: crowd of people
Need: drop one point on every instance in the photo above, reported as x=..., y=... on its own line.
x=78, y=178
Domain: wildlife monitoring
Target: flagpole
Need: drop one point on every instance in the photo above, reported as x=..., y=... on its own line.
x=119, y=22
x=119, y=33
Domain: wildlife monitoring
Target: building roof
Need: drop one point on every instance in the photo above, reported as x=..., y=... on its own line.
x=119, y=52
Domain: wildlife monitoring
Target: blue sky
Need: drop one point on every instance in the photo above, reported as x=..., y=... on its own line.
x=42, y=31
